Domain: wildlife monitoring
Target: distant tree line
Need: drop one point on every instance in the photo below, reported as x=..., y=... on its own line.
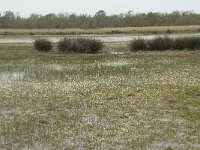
x=100, y=20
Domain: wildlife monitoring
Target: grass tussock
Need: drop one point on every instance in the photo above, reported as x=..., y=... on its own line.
x=165, y=43
x=79, y=45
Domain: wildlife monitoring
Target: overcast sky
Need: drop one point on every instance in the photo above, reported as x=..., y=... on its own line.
x=26, y=7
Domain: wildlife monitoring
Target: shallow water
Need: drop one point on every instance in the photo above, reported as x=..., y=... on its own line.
x=104, y=38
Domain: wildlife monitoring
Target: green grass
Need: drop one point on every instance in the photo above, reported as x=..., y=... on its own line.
x=99, y=101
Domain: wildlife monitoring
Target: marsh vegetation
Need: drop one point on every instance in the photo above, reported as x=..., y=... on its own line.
x=110, y=100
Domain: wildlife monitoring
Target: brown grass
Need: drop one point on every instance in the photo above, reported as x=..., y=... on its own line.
x=102, y=30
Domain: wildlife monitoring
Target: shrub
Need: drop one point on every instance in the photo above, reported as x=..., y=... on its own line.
x=95, y=45
x=160, y=43
x=115, y=31
x=80, y=45
x=192, y=42
x=186, y=43
x=169, y=31
x=137, y=44
x=43, y=45
x=31, y=33
x=64, y=45
x=165, y=43
x=179, y=43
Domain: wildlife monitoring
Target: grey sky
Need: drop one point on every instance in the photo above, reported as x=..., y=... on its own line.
x=26, y=7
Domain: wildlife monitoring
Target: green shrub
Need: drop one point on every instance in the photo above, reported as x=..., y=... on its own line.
x=80, y=45
x=138, y=45
x=43, y=45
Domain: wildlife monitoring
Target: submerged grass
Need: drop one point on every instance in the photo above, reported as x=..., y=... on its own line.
x=99, y=101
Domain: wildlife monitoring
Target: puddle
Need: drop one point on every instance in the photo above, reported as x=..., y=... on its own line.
x=9, y=111
x=118, y=53
x=90, y=119
x=59, y=67
x=55, y=67
x=165, y=144
x=197, y=145
x=16, y=111
x=77, y=141
x=140, y=112
x=115, y=63
x=6, y=77
x=36, y=146
x=2, y=140
x=180, y=135
x=12, y=41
